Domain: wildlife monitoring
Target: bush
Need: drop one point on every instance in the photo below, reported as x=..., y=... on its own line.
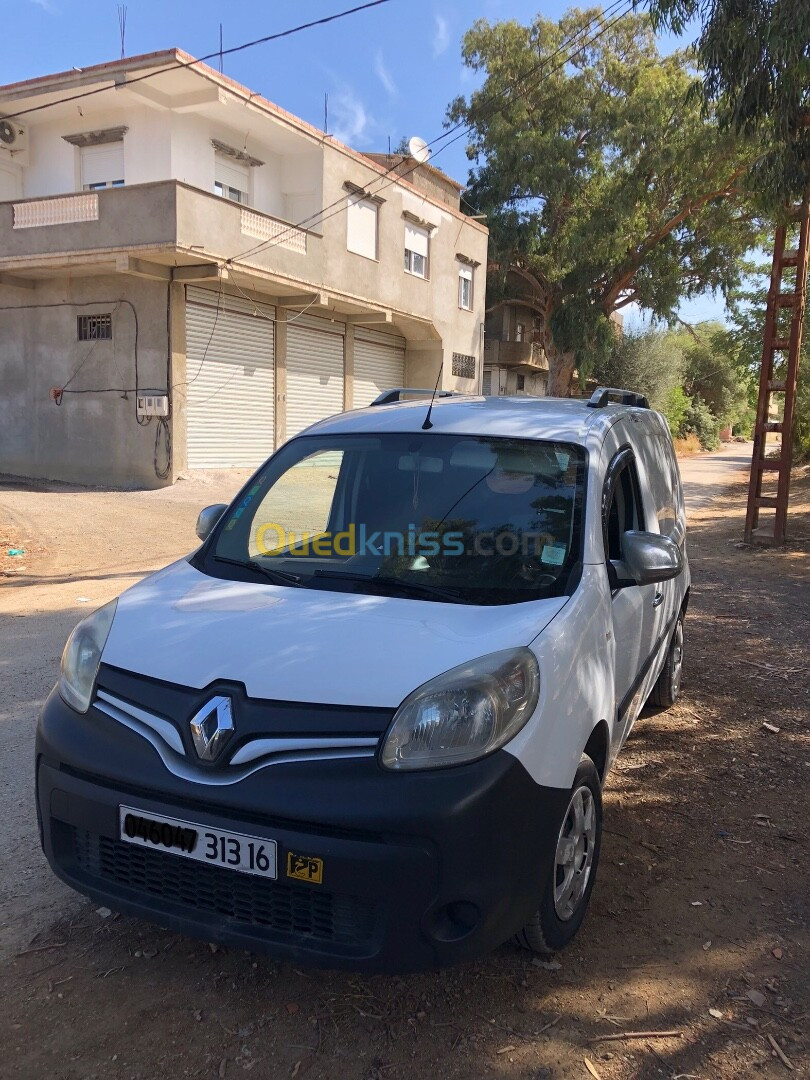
x=701, y=421
x=646, y=361
x=675, y=407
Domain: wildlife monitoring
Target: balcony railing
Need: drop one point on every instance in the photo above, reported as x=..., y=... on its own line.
x=523, y=354
x=59, y=210
x=162, y=214
x=280, y=233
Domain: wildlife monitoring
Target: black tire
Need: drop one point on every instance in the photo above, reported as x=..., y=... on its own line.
x=667, y=688
x=547, y=932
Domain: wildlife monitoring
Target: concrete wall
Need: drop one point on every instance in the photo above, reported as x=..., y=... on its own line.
x=505, y=382
x=385, y=280
x=91, y=438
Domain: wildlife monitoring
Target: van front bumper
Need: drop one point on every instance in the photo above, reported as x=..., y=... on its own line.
x=419, y=870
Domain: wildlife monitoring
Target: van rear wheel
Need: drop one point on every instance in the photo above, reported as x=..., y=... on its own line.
x=568, y=889
x=667, y=689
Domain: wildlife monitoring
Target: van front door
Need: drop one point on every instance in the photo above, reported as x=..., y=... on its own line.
x=634, y=607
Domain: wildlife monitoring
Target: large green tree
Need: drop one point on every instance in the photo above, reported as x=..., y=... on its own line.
x=604, y=181
x=755, y=61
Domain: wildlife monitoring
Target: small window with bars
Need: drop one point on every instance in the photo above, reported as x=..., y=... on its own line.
x=463, y=366
x=94, y=327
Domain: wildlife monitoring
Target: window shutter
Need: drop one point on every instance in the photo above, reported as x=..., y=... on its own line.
x=361, y=227
x=231, y=173
x=102, y=164
x=465, y=272
x=416, y=239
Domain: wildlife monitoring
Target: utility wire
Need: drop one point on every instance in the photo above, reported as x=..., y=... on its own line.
x=340, y=205
x=202, y=59
x=318, y=218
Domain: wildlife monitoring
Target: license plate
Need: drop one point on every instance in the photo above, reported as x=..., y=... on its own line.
x=233, y=851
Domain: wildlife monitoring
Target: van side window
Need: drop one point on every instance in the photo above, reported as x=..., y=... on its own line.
x=623, y=511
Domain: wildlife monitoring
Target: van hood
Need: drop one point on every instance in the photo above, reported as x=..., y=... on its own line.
x=292, y=644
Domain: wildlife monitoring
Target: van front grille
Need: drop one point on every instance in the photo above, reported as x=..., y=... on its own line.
x=248, y=899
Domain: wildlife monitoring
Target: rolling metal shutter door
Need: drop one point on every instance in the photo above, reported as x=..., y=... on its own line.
x=230, y=368
x=379, y=364
x=314, y=371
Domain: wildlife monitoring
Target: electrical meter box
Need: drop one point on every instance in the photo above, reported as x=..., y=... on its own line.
x=153, y=405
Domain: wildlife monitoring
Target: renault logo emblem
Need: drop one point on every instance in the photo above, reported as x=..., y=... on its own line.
x=211, y=727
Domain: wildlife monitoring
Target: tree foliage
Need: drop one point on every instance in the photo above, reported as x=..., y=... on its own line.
x=647, y=361
x=713, y=372
x=604, y=181
x=694, y=376
x=755, y=59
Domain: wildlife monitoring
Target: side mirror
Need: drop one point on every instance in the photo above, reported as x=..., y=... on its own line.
x=649, y=558
x=208, y=518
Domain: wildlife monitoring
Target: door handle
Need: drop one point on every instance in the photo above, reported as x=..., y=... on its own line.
x=658, y=599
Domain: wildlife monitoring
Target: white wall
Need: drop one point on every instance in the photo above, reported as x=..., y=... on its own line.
x=161, y=145
x=10, y=181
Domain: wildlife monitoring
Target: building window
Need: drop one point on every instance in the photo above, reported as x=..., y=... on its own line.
x=465, y=288
x=361, y=226
x=417, y=242
x=102, y=166
x=521, y=382
x=463, y=365
x=94, y=327
x=231, y=179
x=520, y=331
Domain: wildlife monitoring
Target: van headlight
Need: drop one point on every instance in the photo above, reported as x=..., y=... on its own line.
x=82, y=656
x=464, y=714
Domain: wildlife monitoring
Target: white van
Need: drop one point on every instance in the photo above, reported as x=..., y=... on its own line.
x=367, y=723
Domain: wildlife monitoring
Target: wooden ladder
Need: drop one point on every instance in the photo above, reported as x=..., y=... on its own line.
x=774, y=346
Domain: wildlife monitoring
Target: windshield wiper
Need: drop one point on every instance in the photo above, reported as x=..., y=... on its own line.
x=278, y=577
x=431, y=592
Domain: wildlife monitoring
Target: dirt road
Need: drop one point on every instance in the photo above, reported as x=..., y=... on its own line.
x=701, y=902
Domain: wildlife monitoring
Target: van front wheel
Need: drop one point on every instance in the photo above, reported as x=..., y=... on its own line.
x=667, y=689
x=576, y=857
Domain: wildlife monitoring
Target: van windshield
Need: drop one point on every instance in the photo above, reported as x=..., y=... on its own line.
x=448, y=518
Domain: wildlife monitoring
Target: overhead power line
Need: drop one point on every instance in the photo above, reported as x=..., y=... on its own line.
x=339, y=205
x=576, y=42
x=202, y=59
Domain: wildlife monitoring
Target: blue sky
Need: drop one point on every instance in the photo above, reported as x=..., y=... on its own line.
x=388, y=72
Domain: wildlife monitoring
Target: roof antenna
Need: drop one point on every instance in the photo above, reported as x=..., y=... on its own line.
x=122, y=27
x=427, y=424
x=220, y=48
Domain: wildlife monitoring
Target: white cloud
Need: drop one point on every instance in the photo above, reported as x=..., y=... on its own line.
x=46, y=5
x=349, y=120
x=441, y=36
x=384, y=75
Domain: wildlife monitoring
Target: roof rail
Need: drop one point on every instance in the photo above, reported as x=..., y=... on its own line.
x=398, y=393
x=607, y=395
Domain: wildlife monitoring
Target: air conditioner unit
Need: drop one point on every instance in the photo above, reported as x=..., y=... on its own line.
x=13, y=139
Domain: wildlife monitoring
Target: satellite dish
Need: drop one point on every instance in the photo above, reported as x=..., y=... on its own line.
x=419, y=149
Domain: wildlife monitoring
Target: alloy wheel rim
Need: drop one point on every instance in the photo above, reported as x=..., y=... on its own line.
x=677, y=659
x=573, y=860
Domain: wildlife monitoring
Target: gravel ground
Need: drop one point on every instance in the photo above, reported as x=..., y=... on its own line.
x=698, y=922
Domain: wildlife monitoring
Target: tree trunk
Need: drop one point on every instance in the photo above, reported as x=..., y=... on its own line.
x=560, y=371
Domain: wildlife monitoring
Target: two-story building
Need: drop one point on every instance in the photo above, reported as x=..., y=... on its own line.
x=190, y=275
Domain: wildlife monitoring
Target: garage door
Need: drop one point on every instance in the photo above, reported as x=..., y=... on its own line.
x=230, y=363
x=314, y=371
x=379, y=364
